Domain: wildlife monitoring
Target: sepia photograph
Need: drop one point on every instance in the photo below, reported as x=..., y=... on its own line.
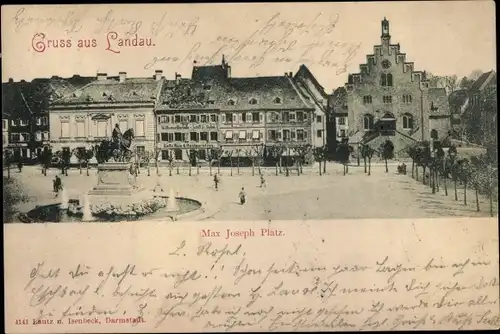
x=392, y=139
x=211, y=144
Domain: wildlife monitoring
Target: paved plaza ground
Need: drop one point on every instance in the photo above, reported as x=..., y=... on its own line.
x=308, y=196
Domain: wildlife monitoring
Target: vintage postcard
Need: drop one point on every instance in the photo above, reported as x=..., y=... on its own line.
x=250, y=167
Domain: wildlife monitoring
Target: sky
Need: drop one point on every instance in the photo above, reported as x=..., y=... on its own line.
x=260, y=39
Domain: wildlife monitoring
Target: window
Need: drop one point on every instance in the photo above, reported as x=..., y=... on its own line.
x=318, y=119
x=163, y=119
x=341, y=120
x=277, y=100
x=286, y=135
x=123, y=124
x=242, y=135
x=271, y=134
x=192, y=118
x=407, y=98
x=255, y=134
x=139, y=128
x=386, y=79
x=407, y=122
x=368, y=122
x=178, y=154
x=213, y=118
x=214, y=136
x=207, y=87
x=243, y=117
x=255, y=117
x=24, y=122
x=285, y=116
x=165, y=155
x=38, y=121
x=5, y=124
x=167, y=136
x=204, y=136
x=229, y=135
x=231, y=102
x=177, y=119
x=80, y=129
x=15, y=137
x=193, y=136
x=367, y=99
x=292, y=117
x=342, y=133
x=211, y=102
x=300, y=116
x=45, y=135
x=253, y=101
x=386, y=64
x=15, y=122
x=300, y=134
x=319, y=133
x=65, y=129
x=178, y=136
x=229, y=117
x=203, y=118
x=45, y=120
x=387, y=99
x=202, y=154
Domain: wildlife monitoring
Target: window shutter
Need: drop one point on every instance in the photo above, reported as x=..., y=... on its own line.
x=234, y=118
x=268, y=117
x=279, y=134
x=223, y=118
x=249, y=117
x=261, y=117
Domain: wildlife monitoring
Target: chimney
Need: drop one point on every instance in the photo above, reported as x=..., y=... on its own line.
x=123, y=76
x=11, y=80
x=177, y=78
x=102, y=76
x=158, y=74
x=228, y=71
x=286, y=74
x=290, y=74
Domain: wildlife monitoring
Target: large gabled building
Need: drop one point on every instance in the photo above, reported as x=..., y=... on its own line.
x=244, y=116
x=390, y=100
x=82, y=116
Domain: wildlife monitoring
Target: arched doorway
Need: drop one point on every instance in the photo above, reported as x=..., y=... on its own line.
x=387, y=124
x=434, y=134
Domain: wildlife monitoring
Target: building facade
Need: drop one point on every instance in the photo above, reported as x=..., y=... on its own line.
x=389, y=100
x=5, y=132
x=338, y=100
x=88, y=114
x=241, y=117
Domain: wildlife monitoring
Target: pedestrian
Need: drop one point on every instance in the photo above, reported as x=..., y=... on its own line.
x=20, y=166
x=58, y=183
x=216, y=182
x=262, y=181
x=243, y=196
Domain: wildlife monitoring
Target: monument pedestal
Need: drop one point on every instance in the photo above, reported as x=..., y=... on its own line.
x=113, y=179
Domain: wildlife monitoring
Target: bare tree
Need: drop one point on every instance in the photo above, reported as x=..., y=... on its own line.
x=302, y=152
x=171, y=159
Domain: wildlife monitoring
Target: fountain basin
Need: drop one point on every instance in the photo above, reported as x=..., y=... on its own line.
x=52, y=213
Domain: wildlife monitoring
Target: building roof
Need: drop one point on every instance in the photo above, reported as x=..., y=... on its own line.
x=483, y=80
x=339, y=100
x=457, y=98
x=438, y=99
x=305, y=72
x=276, y=92
x=208, y=72
x=111, y=90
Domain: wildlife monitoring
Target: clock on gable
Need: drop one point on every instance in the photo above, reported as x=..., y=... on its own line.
x=386, y=63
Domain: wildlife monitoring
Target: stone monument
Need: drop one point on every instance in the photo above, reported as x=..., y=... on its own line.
x=113, y=177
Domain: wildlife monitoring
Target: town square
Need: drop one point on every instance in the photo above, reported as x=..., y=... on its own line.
x=393, y=141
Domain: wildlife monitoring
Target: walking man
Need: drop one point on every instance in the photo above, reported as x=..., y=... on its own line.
x=216, y=182
x=242, y=196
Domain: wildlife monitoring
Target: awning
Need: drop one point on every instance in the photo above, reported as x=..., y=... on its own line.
x=242, y=134
x=229, y=134
x=255, y=134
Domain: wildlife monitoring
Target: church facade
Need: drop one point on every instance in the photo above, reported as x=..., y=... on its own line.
x=389, y=100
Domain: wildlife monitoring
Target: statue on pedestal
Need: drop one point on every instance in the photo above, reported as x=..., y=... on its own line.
x=118, y=147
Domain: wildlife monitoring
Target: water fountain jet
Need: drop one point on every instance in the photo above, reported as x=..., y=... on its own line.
x=64, y=200
x=172, y=205
x=87, y=213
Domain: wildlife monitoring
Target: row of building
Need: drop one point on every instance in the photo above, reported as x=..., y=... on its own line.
x=387, y=99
